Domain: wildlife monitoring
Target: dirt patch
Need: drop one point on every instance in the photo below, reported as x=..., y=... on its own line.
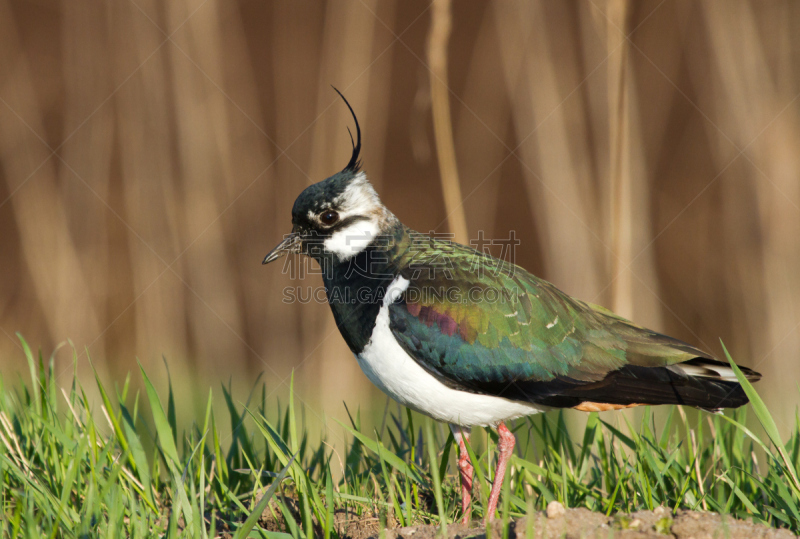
x=584, y=524
x=556, y=522
x=348, y=524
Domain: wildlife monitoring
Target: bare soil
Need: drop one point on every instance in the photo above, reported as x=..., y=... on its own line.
x=555, y=523
x=584, y=524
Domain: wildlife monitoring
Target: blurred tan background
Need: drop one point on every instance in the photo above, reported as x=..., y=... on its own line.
x=646, y=154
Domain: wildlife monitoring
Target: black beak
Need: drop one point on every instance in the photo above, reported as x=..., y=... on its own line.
x=290, y=244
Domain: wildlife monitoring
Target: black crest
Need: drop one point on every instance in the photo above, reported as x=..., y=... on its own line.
x=355, y=164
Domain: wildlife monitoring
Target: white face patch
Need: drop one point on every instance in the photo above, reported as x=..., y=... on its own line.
x=351, y=240
x=358, y=199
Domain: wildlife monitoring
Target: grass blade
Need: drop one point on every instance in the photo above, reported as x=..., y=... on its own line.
x=165, y=436
x=390, y=457
x=437, y=485
x=255, y=514
x=763, y=415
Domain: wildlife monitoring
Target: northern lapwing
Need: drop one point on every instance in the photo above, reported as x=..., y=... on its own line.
x=472, y=340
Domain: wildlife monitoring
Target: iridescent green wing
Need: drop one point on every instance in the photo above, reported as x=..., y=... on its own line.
x=480, y=324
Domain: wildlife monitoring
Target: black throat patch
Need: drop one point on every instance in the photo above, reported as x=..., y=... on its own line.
x=356, y=288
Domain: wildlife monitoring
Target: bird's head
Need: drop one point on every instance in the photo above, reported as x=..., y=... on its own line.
x=338, y=217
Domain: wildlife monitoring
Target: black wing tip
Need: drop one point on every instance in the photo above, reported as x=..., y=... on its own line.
x=354, y=165
x=750, y=374
x=629, y=386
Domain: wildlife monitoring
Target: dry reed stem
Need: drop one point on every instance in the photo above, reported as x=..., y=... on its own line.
x=480, y=155
x=620, y=174
x=441, y=22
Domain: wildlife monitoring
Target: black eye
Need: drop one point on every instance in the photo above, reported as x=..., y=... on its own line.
x=328, y=217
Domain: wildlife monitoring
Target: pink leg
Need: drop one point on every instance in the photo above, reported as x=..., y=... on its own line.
x=466, y=469
x=505, y=447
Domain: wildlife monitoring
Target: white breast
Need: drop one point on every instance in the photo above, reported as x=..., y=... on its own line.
x=398, y=375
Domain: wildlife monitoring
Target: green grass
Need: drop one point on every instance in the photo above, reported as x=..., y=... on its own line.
x=74, y=468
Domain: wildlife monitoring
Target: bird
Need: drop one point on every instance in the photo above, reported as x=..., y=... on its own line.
x=476, y=341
